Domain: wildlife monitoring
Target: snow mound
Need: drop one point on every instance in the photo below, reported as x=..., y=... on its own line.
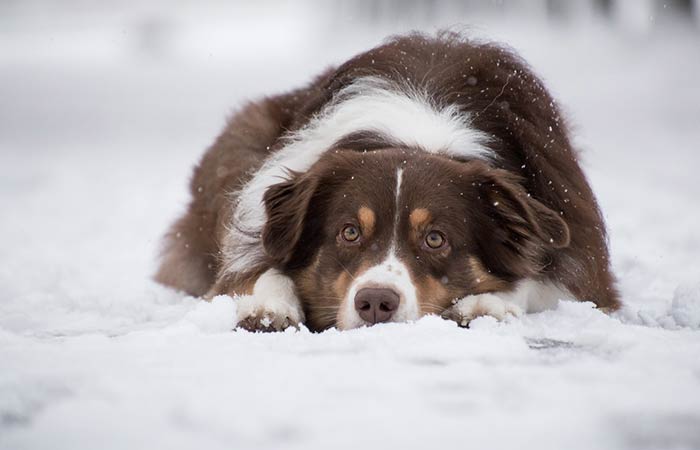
x=685, y=308
x=682, y=310
x=216, y=316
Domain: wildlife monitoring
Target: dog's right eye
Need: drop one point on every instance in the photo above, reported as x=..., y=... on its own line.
x=350, y=233
x=435, y=240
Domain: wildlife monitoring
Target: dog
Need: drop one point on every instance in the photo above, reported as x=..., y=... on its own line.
x=429, y=175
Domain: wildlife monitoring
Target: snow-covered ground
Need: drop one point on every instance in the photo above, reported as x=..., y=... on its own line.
x=102, y=115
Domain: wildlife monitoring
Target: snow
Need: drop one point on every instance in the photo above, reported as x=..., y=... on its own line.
x=685, y=307
x=101, y=120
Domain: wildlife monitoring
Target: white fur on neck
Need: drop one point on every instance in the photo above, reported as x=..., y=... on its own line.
x=401, y=114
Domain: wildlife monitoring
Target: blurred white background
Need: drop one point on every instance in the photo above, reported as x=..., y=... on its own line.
x=108, y=70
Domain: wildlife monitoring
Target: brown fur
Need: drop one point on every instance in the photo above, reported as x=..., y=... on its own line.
x=530, y=213
x=484, y=281
x=434, y=296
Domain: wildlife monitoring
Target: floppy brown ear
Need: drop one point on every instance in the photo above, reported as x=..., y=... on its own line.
x=549, y=225
x=516, y=231
x=520, y=213
x=287, y=206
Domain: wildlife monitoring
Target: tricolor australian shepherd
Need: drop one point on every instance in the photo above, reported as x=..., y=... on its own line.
x=430, y=175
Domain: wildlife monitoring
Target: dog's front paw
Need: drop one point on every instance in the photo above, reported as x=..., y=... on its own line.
x=273, y=306
x=469, y=308
x=259, y=317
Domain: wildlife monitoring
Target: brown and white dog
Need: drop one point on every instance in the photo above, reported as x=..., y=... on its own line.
x=430, y=175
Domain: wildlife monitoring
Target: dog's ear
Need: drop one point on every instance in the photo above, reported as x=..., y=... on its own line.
x=506, y=198
x=517, y=226
x=287, y=206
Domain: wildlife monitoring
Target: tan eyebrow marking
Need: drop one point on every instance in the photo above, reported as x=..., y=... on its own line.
x=367, y=220
x=419, y=217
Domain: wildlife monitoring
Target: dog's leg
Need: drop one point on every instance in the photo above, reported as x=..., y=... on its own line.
x=273, y=306
x=472, y=306
x=526, y=296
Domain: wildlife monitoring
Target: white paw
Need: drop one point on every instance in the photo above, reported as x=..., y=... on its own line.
x=273, y=306
x=473, y=306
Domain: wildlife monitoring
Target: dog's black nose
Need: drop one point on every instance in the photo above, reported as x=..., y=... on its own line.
x=376, y=305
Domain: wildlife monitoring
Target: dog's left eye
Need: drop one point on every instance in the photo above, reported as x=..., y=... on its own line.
x=434, y=240
x=350, y=233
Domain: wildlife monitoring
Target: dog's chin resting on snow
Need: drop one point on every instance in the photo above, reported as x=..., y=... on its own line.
x=430, y=175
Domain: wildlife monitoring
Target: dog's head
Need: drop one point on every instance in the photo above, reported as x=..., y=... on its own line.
x=392, y=234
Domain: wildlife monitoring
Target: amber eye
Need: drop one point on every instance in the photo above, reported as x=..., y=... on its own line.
x=434, y=239
x=350, y=233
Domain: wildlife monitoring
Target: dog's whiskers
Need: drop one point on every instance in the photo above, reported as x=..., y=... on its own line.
x=432, y=308
x=345, y=268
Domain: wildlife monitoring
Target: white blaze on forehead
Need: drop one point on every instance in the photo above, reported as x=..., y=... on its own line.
x=399, y=179
x=391, y=274
x=401, y=114
x=397, y=209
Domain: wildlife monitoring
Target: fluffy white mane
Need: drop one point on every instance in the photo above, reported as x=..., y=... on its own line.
x=402, y=114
